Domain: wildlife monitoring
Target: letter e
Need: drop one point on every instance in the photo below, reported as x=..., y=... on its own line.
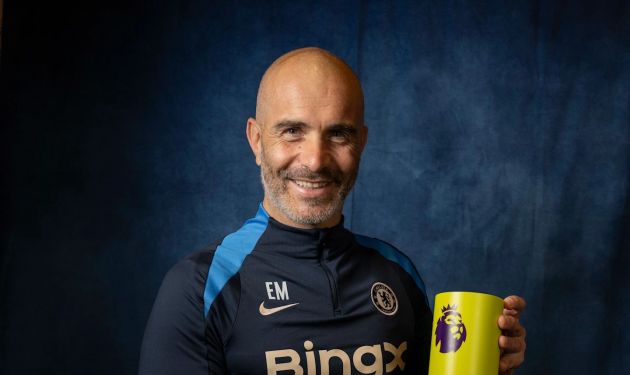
x=269, y=290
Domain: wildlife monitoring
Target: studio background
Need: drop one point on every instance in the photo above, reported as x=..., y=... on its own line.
x=498, y=159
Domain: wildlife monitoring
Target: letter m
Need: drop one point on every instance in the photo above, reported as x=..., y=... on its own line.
x=282, y=292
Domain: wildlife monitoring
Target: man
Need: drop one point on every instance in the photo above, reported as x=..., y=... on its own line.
x=292, y=291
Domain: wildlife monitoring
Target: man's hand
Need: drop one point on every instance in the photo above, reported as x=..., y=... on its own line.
x=512, y=340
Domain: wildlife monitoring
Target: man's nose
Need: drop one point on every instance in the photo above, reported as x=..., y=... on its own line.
x=314, y=154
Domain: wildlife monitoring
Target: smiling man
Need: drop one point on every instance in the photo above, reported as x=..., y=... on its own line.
x=293, y=291
x=308, y=136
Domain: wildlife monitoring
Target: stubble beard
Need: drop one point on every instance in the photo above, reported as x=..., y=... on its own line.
x=318, y=210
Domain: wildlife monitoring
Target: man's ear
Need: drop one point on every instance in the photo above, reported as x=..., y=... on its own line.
x=364, y=137
x=254, y=137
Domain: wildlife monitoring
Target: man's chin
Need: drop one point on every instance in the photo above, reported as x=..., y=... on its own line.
x=314, y=213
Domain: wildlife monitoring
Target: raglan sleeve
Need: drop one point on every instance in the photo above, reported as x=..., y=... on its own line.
x=424, y=322
x=175, y=339
x=419, y=359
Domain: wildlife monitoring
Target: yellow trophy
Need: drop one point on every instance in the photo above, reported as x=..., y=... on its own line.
x=465, y=336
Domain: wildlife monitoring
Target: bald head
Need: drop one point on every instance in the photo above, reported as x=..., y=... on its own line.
x=310, y=73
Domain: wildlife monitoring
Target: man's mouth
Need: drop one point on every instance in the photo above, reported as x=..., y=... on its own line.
x=311, y=184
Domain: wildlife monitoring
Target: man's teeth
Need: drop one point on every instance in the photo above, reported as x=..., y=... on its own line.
x=310, y=185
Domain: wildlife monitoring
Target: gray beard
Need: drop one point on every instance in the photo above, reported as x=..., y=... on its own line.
x=323, y=210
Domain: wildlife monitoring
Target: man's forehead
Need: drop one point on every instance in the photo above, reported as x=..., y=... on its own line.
x=313, y=106
x=298, y=90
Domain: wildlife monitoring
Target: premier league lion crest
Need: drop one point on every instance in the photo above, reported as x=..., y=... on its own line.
x=450, y=332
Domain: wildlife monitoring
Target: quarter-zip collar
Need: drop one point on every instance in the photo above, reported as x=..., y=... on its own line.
x=303, y=243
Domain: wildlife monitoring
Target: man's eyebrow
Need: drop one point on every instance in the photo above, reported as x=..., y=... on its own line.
x=346, y=128
x=287, y=124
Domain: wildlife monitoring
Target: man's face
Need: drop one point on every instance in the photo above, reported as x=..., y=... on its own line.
x=310, y=141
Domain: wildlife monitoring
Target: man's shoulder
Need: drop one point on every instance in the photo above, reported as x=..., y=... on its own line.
x=214, y=265
x=392, y=254
x=385, y=249
x=194, y=264
x=375, y=243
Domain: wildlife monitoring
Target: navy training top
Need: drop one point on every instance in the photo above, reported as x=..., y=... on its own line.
x=273, y=299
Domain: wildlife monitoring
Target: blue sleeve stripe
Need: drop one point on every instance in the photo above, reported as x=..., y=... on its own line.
x=394, y=255
x=230, y=255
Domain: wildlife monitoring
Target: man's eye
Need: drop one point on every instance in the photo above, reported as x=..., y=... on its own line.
x=292, y=133
x=339, y=136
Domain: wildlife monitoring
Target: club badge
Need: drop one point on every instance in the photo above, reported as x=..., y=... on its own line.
x=384, y=299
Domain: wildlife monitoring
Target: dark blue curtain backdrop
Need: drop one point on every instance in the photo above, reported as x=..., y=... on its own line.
x=498, y=159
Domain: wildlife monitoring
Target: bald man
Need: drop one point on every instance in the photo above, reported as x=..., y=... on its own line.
x=292, y=291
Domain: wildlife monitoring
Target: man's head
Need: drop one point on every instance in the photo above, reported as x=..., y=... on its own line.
x=308, y=136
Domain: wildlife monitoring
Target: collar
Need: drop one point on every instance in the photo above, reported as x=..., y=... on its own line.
x=318, y=243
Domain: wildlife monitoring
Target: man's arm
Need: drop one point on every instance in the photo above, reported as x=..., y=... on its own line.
x=424, y=326
x=175, y=341
x=512, y=340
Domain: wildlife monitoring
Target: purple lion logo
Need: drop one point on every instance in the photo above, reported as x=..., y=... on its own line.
x=450, y=330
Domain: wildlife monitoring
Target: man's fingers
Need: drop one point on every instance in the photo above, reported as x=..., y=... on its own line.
x=512, y=344
x=511, y=361
x=511, y=326
x=506, y=322
x=512, y=341
x=514, y=303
